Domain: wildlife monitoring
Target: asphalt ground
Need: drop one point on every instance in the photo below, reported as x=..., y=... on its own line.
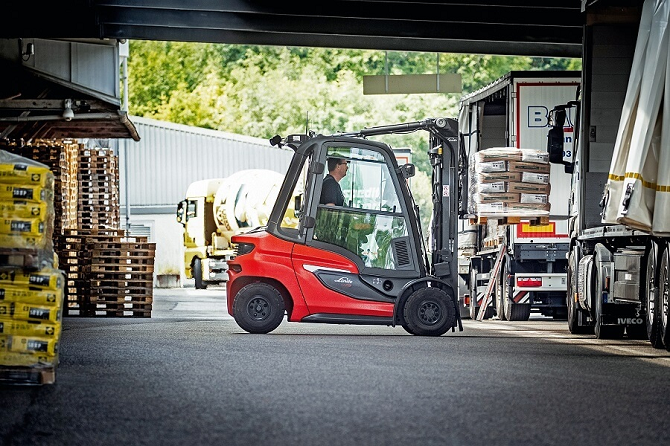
x=190, y=376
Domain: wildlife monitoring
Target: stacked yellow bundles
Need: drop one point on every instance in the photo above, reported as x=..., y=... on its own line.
x=31, y=306
x=507, y=181
x=31, y=288
x=26, y=210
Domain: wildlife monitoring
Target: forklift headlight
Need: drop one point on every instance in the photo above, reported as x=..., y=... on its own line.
x=243, y=248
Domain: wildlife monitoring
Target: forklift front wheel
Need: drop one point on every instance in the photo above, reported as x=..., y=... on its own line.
x=429, y=312
x=258, y=308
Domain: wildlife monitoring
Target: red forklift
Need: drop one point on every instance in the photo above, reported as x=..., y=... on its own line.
x=365, y=262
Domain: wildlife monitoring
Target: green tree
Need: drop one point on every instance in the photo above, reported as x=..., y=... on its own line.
x=267, y=90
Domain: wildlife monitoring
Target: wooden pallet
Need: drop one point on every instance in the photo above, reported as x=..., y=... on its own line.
x=120, y=310
x=27, y=375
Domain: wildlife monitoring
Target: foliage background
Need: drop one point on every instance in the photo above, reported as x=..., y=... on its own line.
x=262, y=91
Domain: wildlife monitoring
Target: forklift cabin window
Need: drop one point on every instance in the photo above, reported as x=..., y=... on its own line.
x=371, y=217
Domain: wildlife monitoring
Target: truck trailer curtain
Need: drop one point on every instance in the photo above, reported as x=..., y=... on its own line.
x=634, y=172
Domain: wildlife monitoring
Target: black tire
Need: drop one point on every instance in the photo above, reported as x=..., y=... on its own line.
x=429, y=312
x=258, y=308
x=651, y=293
x=663, y=297
x=574, y=312
x=197, y=274
x=602, y=331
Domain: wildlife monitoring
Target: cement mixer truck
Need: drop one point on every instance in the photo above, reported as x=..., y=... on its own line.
x=216, y=209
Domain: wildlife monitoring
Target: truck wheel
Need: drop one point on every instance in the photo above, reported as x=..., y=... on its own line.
x=575, y=314
x=429, y=312
x=651, y=291
x=197, y=274
x=258, y=308
x=663, y=293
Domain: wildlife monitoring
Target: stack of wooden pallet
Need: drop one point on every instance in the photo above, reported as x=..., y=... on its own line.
x=107, y=273
x=98, y=180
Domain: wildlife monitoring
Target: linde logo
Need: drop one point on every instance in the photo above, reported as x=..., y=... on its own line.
x=344, y=280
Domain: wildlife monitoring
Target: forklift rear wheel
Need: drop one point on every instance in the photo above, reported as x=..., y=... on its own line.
x=258, y=308
x=197, y=274
x=429, y=312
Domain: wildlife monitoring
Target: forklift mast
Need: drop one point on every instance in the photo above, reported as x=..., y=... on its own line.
x=443, y=156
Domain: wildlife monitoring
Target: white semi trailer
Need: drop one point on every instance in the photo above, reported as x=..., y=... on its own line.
x=514, y=112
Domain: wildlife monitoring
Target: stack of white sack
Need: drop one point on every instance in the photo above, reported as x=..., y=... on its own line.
x=509, y=182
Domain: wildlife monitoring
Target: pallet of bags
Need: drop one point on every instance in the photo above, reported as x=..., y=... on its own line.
x=509, y=184
x=31, y=307
x=31, y=286
x=26, y=213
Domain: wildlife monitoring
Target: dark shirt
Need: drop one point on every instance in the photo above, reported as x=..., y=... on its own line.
x=331, y=192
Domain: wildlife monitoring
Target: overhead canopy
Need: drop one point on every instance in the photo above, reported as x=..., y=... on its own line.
x=511, y=27
x=503, y=27
x=33, y=106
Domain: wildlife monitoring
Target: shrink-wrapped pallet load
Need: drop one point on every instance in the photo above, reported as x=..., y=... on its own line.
x=31, y=286
x=509, y=182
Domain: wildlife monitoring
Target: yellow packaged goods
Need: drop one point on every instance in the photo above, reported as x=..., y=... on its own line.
x=46, y=278
x=29, y=344
x=24, y=192
x=29, y=328
x=24, y=241
x=23, y=209
x=22, y=226
x=50, y=298
x=22, y=173
x=29, y=312
x=27, y=359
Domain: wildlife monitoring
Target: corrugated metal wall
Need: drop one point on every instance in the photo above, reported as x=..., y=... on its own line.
x=170, y=156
